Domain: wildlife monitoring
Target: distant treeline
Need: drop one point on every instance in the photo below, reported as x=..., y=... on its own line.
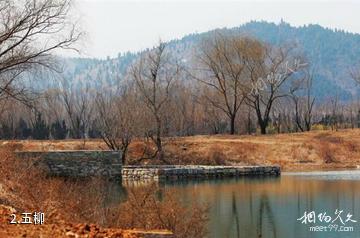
x=39, y=129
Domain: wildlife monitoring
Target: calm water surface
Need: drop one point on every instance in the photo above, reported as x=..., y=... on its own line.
x=270, y=207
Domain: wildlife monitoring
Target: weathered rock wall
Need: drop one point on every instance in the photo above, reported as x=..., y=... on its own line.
x=185, y=172
x=108, y=163
x=78, y=163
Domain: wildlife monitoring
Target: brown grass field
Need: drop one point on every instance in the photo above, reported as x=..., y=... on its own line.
x=293, y=152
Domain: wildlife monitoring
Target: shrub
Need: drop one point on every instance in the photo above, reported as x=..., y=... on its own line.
x=145, y=209
x=327, y=153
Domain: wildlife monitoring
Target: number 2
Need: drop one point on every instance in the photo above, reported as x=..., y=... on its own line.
x=13, y=221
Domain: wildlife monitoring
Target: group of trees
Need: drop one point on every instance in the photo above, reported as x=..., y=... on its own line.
x=245, y=70
x=30, y=32
x=233, y=84
x=237, y=85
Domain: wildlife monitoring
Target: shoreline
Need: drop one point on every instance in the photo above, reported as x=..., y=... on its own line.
x=308, y=151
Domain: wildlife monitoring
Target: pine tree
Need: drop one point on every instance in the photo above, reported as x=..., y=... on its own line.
x=59, y=130
x=23, y=131
x=40, y=130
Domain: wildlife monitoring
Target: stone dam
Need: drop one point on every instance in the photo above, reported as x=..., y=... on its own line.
x=108, y=164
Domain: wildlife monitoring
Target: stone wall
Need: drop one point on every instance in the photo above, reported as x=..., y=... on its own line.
x=186, y=172
x=108, y=164
x=78, y=163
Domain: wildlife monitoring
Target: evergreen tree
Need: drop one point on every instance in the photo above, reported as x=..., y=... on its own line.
x=6, y=132
x=40, y=130
x=23, y=131
x=59, y=130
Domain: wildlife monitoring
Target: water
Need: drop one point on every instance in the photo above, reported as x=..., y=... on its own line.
x=270, y=207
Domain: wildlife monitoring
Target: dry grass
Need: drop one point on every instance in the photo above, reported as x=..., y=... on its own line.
x=151, y=208
x=298, y=151
x=28, y=189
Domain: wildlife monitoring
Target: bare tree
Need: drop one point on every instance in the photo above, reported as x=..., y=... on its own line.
x=355, y=75
x=304, y=104
x=154, y=76
x=30, y=31
x=249, y=126
x=334, y=107
x=214, y=118
x=53, y=105
x=270, y=70
x=351, y=109
x=117, y=116
x=78, y=107
x=182, y=110
x=222, y=62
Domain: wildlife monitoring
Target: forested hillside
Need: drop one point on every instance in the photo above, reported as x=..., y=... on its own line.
x=159, y=98
x=331, y=53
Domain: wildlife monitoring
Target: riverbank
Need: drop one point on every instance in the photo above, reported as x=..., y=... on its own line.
x=315, y=150
x=24, y=188
x=86, y=208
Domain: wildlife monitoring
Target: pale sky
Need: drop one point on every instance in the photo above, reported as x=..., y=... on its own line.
x=115, y=26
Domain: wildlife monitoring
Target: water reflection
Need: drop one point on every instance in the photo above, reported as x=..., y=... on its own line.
x=265, y=210
x=269, y=207
x=235, y=218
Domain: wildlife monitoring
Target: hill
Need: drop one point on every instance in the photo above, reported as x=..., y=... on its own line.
x=331, y=52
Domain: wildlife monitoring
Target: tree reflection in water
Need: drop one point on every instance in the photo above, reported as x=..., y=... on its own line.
x=235, y=215
x=265, y=211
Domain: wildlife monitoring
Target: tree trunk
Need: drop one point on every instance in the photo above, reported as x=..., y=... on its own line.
x=262, y=121
x=249, y=122
x=232, y=124
x=160, y=152
x=308, y=125
x=123, y=154
x=263, y=125
x=263, y=128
